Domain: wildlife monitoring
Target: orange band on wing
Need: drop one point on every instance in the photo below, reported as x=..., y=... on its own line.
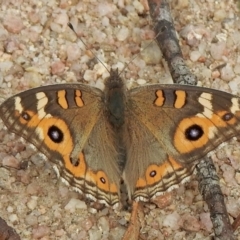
x=155, y=173
x=78, y=98
x=159, y=101
x=62, y=101
x=180, y=99
x=208, y=125
x=80, y=169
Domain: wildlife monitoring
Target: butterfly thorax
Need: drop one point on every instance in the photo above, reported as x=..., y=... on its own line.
x=115, y=99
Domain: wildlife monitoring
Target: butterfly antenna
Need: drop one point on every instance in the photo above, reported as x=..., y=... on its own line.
x=126, y=65
x=72, y=28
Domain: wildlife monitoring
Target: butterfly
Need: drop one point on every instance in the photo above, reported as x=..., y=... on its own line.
x=151, y=136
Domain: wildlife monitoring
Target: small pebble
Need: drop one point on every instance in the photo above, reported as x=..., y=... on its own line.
x=95, y=234
x=195, y=55
x=182, y=3
x=141, y=81
x=32, y=203
x=75, y=203
x=190, y=223
x=33, y=79
x=31, y=220
x=103, y=224
x=13, y=23
x=10, y=209
x=90, y=75
x=219, y=15
x=105, y=9
x=217, y=50
x=40, y=232
x=62, y=18
x=227, y=73
x=172, y=221
x=13, y=218
x=237, y=177
x=10, y=161
x=206, y=221
x=228, y=174
x=73, y=52
x=151, y=53
x=57, y=68
x=123, y=34
x=233, y=207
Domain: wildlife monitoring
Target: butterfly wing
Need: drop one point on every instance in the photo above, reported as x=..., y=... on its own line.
x=67, y=124
x=170, y=128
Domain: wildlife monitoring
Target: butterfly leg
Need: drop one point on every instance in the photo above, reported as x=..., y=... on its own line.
x=133, y=230
x=208, y=179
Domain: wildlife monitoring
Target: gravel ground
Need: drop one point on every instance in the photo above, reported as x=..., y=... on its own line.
x=37, y=48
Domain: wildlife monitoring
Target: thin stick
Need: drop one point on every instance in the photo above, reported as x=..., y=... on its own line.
x=168, y=42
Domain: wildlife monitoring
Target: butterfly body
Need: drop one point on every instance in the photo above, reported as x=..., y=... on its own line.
x=151, y=136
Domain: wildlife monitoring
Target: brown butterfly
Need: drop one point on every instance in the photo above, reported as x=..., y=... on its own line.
x=151, y=136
